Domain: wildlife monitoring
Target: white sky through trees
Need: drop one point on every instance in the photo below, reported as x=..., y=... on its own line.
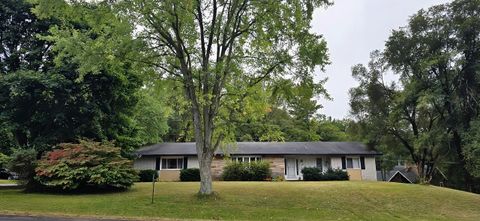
x=352, y=29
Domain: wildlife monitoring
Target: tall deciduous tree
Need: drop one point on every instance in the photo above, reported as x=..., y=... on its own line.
x=440, y=51
x=218, y=49
x=49, y=95
x=402, y=112
x=19, y=50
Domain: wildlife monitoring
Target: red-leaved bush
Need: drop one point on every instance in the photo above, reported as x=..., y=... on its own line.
x=85, y=165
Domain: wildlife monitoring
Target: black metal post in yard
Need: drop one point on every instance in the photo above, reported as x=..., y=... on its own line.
x=153, y=187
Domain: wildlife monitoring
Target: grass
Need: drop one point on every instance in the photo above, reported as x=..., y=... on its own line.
x=7, y=182
x=260, y=201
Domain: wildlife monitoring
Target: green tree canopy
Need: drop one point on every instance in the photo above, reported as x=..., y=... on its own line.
x=434, y=108
x=219, y=50
x=400, y=112
x=439, y=53
x=49, y=95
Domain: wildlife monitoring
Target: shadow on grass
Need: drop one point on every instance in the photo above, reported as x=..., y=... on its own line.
x=208, y=198
x=87, y=190
x=11, y=187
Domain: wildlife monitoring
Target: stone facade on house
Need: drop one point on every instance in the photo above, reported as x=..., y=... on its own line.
x=218, y=164
x=169, y=175
x=277, y=165
x=354, y=174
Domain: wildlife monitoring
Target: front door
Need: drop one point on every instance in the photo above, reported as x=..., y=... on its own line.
x=291, y=168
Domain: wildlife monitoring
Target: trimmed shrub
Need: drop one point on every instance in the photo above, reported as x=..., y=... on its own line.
x=311, y=174
x=315, y=174
x=189, y=175
x=254, y=171
x=335, y=174
x=258, y=171
x=233, y=171
x=147, y=175
x=87, y=165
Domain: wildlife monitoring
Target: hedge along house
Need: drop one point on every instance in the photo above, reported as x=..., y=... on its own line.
x=285, y=158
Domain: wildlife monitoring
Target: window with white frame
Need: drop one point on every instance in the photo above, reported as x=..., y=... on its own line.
x=353, y=162
x=246, y=159
x=172, y=163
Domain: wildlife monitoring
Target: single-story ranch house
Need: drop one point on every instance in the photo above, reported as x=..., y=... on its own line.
x=286, y=158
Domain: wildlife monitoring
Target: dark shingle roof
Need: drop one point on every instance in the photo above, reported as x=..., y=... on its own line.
x=264, y=148
x=402, y=170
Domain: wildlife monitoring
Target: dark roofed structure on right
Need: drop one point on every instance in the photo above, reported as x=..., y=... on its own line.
x=399, y=174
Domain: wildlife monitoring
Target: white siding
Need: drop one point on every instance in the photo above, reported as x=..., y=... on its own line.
x=370, y=171
x=306, y=162
x=336, y=162
x=192, y=162
x=144, y=163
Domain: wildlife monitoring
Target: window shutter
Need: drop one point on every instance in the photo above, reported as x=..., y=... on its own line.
x=185, y=162
x=319, y=164
x=362, y=162
x=344, y=163
x=157, y=163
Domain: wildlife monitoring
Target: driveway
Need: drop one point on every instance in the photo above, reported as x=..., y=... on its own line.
x=44, y=218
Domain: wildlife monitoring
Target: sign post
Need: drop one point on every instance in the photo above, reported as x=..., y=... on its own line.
x=153, y=187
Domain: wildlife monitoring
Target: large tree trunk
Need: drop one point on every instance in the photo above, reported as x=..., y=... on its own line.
x=205, y=164
x=21, y=138
x=203, y=127
x=457, y=143
x=205, y=150
x=421, y=172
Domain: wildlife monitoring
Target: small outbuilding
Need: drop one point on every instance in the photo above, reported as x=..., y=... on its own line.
x=399, y=174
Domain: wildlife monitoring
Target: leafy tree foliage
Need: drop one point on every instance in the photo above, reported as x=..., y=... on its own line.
x=291, y=114
x=219, y=50
x=4, y=160
x=278, y=125
x=20, y=47
x=23, y=162
x=20, y=50
x=439, y=52
x=472, y=148
x=150, y=116
x=433, y=110
x=86, y=165
x=334, y=130
x=180, y=127
x=403, y=114
x=48, y=96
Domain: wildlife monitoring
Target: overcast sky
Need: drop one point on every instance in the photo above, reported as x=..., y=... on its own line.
x=354, y=28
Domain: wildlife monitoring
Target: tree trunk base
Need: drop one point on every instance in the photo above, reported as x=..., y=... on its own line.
x=211, y=196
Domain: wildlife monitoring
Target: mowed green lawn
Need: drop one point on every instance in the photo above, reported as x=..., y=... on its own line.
x=7, y=181
x=259, y=201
